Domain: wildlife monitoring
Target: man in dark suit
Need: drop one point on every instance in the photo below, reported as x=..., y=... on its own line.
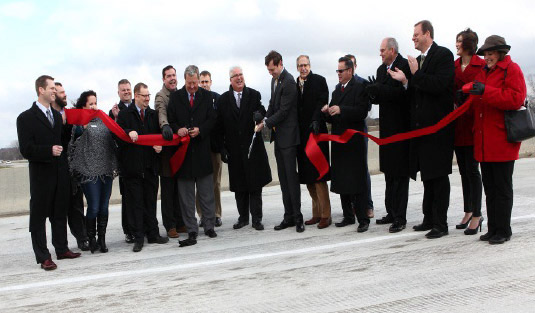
x=248, y=166
x=348, y=110
x=394, y=117
x=39, y=132
x=139, y=167
x=124, y=91
x=191, y=113
x=431, y=94
x=284, y=125
x=312, y=95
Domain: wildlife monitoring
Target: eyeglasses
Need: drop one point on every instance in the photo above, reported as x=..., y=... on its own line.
x=144, y=96
x=237, y=75
x=303, y=65
x=341, y=71
x=205, y=81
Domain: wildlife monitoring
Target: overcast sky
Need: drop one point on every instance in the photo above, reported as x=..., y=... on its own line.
x=93, y=44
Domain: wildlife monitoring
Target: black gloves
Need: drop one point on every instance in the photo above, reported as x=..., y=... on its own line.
x=315, y=127
x=372, y=79
x=167, y=132
x=372, y=89
x=258, y=117
x=460, y=97
x=224, y=155
x=478, y=88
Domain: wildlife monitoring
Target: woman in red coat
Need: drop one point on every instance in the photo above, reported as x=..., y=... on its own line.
x=500, y=86
x=467, y=66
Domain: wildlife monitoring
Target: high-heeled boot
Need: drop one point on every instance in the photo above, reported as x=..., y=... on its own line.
x=91, y=225
x=470, y=231
x=102, y=224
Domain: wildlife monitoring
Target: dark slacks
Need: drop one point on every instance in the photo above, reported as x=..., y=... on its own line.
x=289, y=183
x=141, y=196
x=124, y=215
x=75, y=215
x=498, y=184
x=397, y=197
x=436, y=202
x=470, y=179
x=355, y=205
x=171, y=213
x=249, y=201
x=369, y=203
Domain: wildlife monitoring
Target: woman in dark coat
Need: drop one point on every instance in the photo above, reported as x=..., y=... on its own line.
x=467, y=66
x=500, y=86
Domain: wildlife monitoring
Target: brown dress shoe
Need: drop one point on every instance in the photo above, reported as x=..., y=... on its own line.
x=312, y=221
x=172, y=233
x=48, y=265
x=325, y=222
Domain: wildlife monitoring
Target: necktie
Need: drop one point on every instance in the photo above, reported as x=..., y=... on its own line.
x=142, y=114
x=239, y=100
x=50, y=118
x=191, y=100
x=422, y=58
x=343, y=88
x=275, y=84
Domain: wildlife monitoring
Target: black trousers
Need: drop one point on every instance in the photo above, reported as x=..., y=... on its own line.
x=141, y=196
x=355, y=205
x=498, y=184
x=124, y=215
x=397, y=197
x=171, y=213
x=249, y=201
x=75, y=214
x=289, y=182
x=470, y=179
x=436, y=202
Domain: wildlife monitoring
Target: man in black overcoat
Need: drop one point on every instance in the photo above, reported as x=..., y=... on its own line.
x=394, y=117
x=312, y=95
x=431, y=93
x=39, y=132
x=348, y=110
x=248, y=165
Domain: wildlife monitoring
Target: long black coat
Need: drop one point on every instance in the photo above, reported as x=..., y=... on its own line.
x=198, y=160
x=348, y=161
x=236, y=127
x=309, y=103
x=394, y=117
x=431, y=93
x=134, y=159
x=49, y=175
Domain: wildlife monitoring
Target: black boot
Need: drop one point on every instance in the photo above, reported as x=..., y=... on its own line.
x=102, y=224
x=91, y=224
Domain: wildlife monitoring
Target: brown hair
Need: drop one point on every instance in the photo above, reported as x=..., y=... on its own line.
x=138, y=87
x=426, y=26
x=41, y=82
x=165, y=69
x=273, y=56
x=123, y=82
x=470, y=40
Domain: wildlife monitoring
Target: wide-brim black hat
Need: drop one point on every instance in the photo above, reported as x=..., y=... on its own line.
x=494, y=43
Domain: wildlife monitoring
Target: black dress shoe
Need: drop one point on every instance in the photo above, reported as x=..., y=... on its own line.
x=69, y=255
x=137, y=246
x=344, y=222
x=435, y=233
x=201, y=223
x=363, y=227
x=83, y=245
x=129, y=238
x=284, y=225
x=486, y=237
x=385, y=220
x=396, y=227
x=239, y=224
x=159, y=240
x=258, y=226
x=210, y=233
x=422, y=227
x=218, y=222
x=192, y=240
x=300, y=227
x=498, y=239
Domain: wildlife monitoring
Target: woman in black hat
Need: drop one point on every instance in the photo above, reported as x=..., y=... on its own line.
x=500, y=86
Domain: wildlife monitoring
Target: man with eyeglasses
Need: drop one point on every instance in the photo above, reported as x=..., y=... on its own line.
x=312, y=95
x=139, y=167
x=348, y=110
x=191, y=113
x=216, y=154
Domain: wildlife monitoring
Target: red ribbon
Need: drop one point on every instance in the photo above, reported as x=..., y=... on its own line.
x=319, y=161
x=82, y=117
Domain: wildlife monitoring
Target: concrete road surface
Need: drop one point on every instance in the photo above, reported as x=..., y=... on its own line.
x=329, y=270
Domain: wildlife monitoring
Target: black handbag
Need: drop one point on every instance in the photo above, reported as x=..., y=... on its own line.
x=520, y=124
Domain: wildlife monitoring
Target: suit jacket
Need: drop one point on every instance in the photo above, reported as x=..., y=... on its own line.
x=198, y=161
x=236, y=129
x=121, y=106
x=348, y=161
x=49, y=175
x=135, y=159
x=282, y=112
x=309, y=103
x=431, y=93
x=215, y=146
x=394, y=117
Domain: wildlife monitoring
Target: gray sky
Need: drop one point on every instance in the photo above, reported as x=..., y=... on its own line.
x=93, y=44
